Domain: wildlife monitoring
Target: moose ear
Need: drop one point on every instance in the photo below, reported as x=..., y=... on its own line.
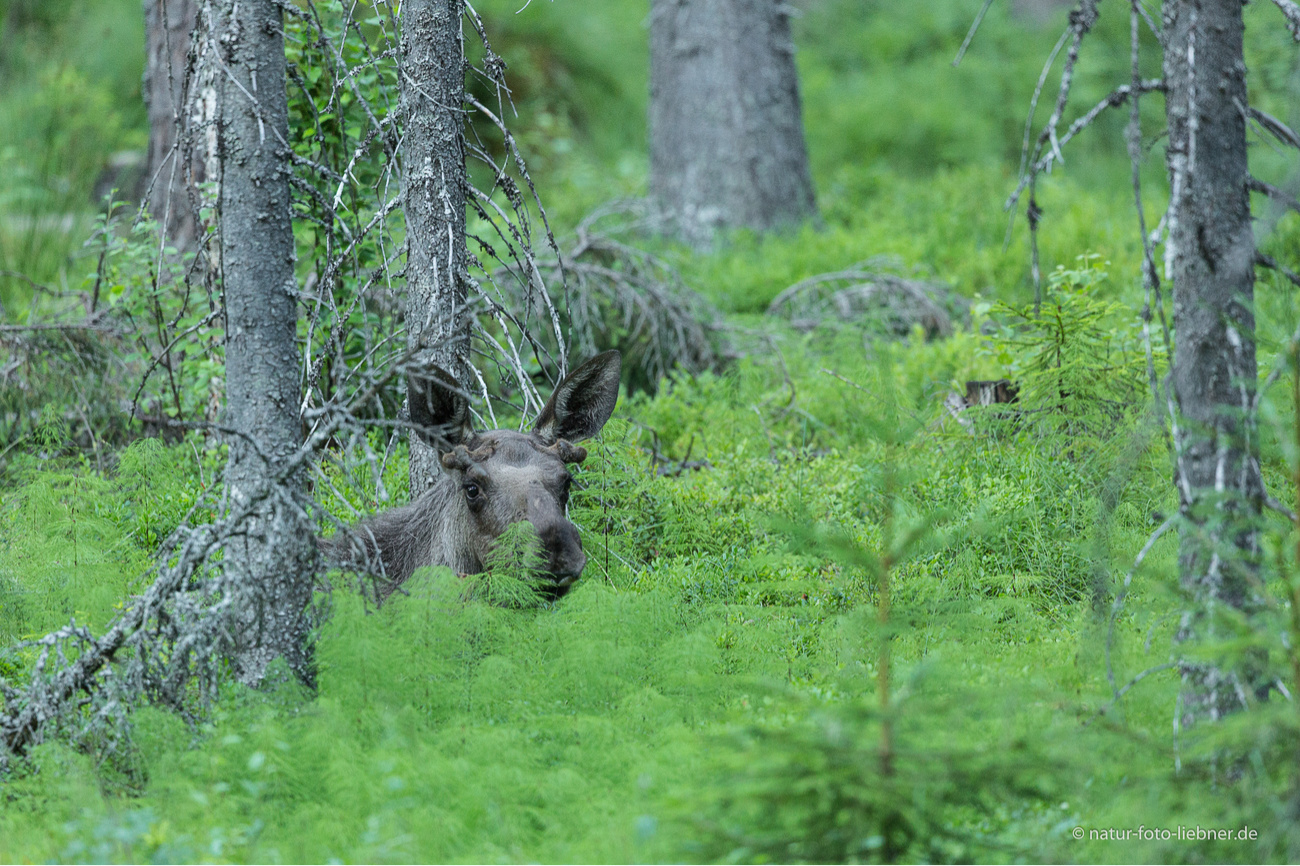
x=439, y=409
x=583, y=402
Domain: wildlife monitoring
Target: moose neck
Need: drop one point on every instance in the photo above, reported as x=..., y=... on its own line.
x=450, y=539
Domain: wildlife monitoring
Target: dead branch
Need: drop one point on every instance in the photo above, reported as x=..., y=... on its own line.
x=1280, y=507
x=1044, y=164
x=1274, y=127
x=175, y=631
x=970, y=34
x=1292, y=13
x=1120, y=693
x=874, y=289
x=1119, y=602
x=1150, y=275
x=1277, y=194
x=1273, y=264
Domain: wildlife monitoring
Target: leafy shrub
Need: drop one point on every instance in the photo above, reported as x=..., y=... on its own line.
x=822, y=786
x=1079, y=359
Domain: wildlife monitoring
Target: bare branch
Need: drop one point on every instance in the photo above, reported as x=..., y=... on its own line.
x=1274, y=127
x=1123, y=594
x=1115, y=98
x=1150, y=273
x=1277, y=194
x=970, y=34
x=1280, y=507
x=1269, y=262
x=1292, y=13
x=1119, y=693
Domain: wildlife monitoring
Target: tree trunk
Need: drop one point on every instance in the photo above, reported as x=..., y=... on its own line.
x=270, y=568
x=168, y=24
x=434, y=186
x=1209, y=257
x=726, y=134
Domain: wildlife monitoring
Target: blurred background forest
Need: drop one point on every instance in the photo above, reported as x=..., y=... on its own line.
x=709, y=692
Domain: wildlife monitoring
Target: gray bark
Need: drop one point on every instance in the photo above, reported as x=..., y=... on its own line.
x=1209, y=257
x=270, y=568
x=434, y=189
x=726, y=133
x=168, y=25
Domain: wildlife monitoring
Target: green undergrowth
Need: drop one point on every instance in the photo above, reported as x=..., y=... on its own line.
x=952, y=228
x=76, y=541
x=708, y=691
x=69, y=99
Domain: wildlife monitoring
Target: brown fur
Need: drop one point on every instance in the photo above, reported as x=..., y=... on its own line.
x=490, y=480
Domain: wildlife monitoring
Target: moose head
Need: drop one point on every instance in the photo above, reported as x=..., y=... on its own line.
x=491, y=480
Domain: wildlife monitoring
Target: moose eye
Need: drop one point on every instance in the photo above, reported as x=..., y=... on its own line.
x=471, y=490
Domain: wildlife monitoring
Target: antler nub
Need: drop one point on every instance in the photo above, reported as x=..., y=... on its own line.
x=461, y=458
x=456, y=459
x=567, y=451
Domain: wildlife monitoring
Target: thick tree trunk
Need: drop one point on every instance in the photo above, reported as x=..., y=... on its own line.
x=271, y=566
x=168, y=24
x=726, y=134
x=434, y=189
x=1209, y=257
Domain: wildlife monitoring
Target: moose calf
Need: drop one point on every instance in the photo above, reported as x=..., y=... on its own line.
x=491, y=480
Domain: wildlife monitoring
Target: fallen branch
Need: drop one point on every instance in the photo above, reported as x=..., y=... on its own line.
x=873, y=288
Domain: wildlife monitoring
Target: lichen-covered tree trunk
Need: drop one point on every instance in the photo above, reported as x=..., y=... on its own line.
x=434, y=189
x=726, y=132
x=270, y=567
x=1210, y=257
x=168, y=24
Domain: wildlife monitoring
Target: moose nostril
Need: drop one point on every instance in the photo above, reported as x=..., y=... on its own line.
x=566, y=557
x=567, y=561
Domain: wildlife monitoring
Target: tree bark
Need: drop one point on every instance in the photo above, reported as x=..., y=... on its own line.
x=726, y=133
x=168, y=25
x=270, y=567
x=434, y=188
x=1209, y=257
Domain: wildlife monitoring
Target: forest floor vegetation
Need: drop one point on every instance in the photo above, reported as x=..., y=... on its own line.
x=772, y=545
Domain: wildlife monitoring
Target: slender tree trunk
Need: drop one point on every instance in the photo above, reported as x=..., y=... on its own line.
x=1210, y=259
x=434, y=186
x=271, y=567
x=726, y=134
x=168, y=25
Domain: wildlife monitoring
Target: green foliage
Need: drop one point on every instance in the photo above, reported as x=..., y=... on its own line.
x=1079, y=359
x=706, y=691
x=69, y=98
x=951, y=223
x=815, y=788
x=177, y=349
x=76, y=543
x=702, y=693
x=510, y=574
